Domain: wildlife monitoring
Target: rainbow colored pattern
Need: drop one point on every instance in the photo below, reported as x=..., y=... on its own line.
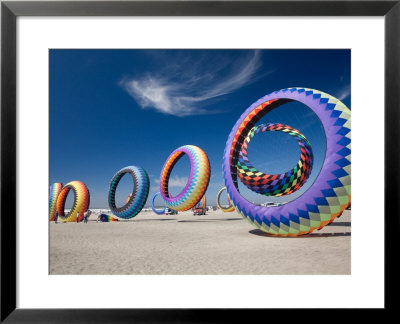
x=230, y=207
x=330, y=193
x=275, y=184
x=202, y=202
x=198, y=179
x=81, y=202
x=107, y=218
x=55, y=190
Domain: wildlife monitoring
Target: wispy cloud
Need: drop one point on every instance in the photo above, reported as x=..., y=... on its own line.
x=175, y=181
x=344, y=92
x=182, y=88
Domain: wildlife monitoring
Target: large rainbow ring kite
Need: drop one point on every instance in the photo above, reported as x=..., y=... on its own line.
x=159, y=212
x=329, y=195
x=275, y=184
x=197, y=182
x=81, y=201
x=136, y=201
x=230, y=207
x=55, y=190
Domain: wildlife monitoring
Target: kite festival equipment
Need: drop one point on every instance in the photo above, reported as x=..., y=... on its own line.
x=137, y=199
x=198, y=179
x=81, y=201
x=329, y=195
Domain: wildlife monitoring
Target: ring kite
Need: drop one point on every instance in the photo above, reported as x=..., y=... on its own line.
x=275, y=184
x=330, y=193
x=81, y=201
x=159, y=212
x=55, y=190
x=198, y=179
x=139, y=195
x=230, y=207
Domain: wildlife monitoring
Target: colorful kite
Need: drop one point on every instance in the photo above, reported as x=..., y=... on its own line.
x=137, y=199
x=81, y=201
x=104, y=218
x=275, y=184
x=55, y=190
x=230, y=207
x=198, y=179
x=330, y=193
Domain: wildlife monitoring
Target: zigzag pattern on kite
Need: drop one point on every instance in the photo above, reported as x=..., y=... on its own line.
x=81, y=201
x=140, y=192
x=275, y=184
x=329, y=195
x=198, y=179
x=55, y=190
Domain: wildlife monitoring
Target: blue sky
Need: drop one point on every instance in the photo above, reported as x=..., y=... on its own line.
x=114, y=108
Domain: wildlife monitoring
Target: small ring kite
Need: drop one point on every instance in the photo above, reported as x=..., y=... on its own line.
x=159, y=212
x=275, y=184
x=198, y=179
x=81, y=201
x=139, y=195
x=55, y=190
x=230, y=207
x=330, y=193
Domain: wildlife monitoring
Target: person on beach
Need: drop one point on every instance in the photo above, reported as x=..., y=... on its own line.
x=56, y=217
x=85, y=216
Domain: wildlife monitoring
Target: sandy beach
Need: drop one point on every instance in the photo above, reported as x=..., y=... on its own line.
x=216, y=243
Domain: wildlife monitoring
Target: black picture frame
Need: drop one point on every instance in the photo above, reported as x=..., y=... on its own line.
x=10, y=10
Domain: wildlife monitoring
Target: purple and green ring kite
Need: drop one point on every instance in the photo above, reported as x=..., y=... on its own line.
x=330, y=193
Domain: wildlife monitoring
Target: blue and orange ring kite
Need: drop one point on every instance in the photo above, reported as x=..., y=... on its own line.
x=198, y=179
x=158, y=212
x=275, y=184
x=330, y=193
x=140, y=192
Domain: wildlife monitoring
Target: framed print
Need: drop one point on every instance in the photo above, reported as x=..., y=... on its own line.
x=101, y=100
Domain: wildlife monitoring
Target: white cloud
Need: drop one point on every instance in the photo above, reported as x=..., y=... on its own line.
x=179, y=89
x=175, y=181
x=344, y=93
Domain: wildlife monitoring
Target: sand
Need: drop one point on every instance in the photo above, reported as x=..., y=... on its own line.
x=216, y=243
